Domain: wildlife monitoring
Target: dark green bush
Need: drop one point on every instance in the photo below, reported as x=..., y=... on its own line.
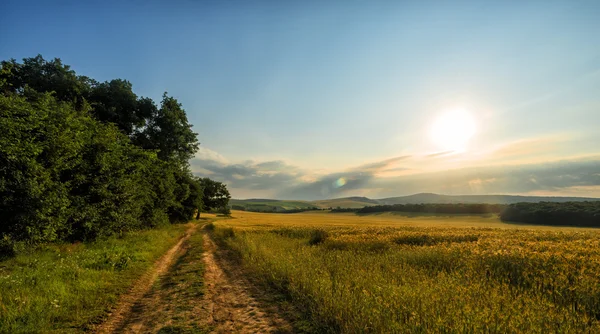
x=317, y=237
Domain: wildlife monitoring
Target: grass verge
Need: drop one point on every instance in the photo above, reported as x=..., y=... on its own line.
x=71, y=287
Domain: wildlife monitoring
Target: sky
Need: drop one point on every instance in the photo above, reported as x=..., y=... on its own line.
x=326, y=99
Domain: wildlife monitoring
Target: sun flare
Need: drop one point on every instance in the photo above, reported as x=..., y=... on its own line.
x=453, y=129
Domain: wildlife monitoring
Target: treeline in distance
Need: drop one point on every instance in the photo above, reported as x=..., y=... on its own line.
x=450, y=208
x=82, y=159
x=584, y=214
x=263, y=208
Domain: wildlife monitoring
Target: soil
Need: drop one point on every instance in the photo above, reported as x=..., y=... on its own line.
x=193, y=290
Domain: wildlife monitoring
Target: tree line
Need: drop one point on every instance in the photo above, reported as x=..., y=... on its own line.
x=450, y=208
x=583, y=214
x=82, y=159
x=263, y=208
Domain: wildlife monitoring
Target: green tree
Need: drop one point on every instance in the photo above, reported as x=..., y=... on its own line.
x=215, y=195
x=44, y=77
x=39, y=143
x=169, y=132
x=115, y=102
x=81, y=159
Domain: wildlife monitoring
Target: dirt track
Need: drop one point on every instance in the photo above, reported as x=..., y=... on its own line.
x=231, y=307
x=164, y=299
x=121, y=319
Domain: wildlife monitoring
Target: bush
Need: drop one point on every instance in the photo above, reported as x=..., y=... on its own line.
x=7, y=247
x=317, y=237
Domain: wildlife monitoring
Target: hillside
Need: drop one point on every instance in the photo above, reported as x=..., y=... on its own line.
x=357, y=202
x=346, y=202
x=489, y=199
x=269, y=205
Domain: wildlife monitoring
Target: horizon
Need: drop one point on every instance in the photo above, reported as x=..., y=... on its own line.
x=411, y=195
x=382, y=99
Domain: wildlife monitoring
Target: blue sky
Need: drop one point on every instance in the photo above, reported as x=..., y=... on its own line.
x=289, y=98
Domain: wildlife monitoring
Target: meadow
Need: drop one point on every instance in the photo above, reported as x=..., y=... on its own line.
x=63, y=287
x=391, y=273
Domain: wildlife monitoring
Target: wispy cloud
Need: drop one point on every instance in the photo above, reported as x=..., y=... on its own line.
x=398, y=176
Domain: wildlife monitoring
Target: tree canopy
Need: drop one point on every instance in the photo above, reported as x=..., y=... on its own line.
x=81, y=159
x=215, y=194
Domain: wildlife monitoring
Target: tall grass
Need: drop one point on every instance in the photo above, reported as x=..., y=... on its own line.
x=70, y=287
x=420, y=280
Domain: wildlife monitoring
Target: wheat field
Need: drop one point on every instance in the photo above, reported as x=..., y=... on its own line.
x=423, y=274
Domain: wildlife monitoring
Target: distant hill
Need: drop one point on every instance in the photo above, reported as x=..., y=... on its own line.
x=356, y=202
x=489, y=199
x=346, y=202
x=270, y=205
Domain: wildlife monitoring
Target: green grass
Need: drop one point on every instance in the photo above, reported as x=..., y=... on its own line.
x=270, y=204
x=70, y=287
x=367, y=277
x=182, y=287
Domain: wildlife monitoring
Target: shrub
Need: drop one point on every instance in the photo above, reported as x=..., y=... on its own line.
x=317, y=237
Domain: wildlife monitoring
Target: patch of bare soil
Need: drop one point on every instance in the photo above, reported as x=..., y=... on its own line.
x=234, y=304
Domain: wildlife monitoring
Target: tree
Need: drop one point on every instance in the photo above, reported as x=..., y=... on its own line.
x=45, y=77
x=215, y=195
x=115, y=102
x=112, y=101
x=81, y=160
x=188, y=197
x=169, y=132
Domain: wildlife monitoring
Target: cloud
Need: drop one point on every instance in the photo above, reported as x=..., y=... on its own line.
x=247, y=178
x=551, y=177
x=386, y=178
x=209, y=155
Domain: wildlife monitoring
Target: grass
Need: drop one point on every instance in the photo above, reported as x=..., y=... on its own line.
x=270, y=204
x=184, y=285
x=390, y=274
x=71, y=287
x=258, y=204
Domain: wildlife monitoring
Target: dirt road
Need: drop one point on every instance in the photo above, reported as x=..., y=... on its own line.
x=194, y=288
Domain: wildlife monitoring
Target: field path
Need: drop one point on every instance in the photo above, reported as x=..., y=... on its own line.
x=120, y=320
x=231, y=305
x=196, y=288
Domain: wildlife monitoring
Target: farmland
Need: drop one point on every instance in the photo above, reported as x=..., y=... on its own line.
x=398, y=273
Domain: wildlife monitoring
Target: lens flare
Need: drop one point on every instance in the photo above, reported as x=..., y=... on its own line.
x=339, y=182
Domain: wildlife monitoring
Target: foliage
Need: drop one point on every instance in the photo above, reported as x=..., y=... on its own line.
x=81, y=160
x=585, y=214
x=450, y=208
x=317, y=237
x=169, y=133
x=216, y=196
x=115, y=102
x=44, y=77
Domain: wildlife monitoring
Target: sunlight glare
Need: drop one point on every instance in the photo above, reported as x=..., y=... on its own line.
x=453, y=129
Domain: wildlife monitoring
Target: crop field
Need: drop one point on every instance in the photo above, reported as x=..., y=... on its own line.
x=396, y=273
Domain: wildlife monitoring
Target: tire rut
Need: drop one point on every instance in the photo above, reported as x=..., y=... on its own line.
x=126, y=316
x=231, y=303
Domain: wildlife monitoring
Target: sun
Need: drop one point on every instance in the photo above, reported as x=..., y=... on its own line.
x=453, y=129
